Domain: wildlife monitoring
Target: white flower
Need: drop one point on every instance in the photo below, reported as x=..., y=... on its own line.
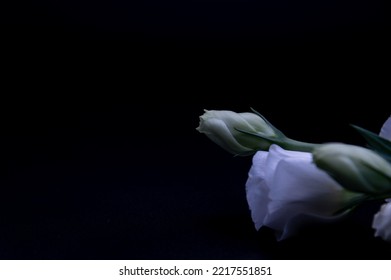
x=382, y=219
x=382, y=222
x=385, y=131
x=222, y=127
x=285, y=189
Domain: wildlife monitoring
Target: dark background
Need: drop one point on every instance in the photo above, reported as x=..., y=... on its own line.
x=100, y=157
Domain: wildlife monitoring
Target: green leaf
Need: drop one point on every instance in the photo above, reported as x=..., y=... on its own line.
x=379, y=144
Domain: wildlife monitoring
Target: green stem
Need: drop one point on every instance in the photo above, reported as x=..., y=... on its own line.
x=290, y=144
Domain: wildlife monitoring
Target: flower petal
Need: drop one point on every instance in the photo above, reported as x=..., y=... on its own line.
x=385, y=131
x=256, y=189
x=382, y=222
x=294, y=224
x=276, y=154
x=299, y=187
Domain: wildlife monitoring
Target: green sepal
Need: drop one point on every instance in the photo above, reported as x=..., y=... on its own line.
x=353, y=203
x=276, y=130
x=245, y=154
x=267, y=138
x=377, y=143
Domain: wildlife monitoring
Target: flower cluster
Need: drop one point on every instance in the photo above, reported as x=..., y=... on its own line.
x=291, y=182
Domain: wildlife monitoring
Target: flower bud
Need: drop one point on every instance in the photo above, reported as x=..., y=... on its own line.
x=355, y=168
x=224, y=128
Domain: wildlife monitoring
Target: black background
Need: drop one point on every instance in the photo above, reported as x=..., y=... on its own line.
x=100, y=157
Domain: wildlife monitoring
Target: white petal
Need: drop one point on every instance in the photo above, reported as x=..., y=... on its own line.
x=256, y=189
x=294, y=224
x=385, y=131
x=276, y=154
x=299, y=187
x=382, y=222
x=278, y=151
